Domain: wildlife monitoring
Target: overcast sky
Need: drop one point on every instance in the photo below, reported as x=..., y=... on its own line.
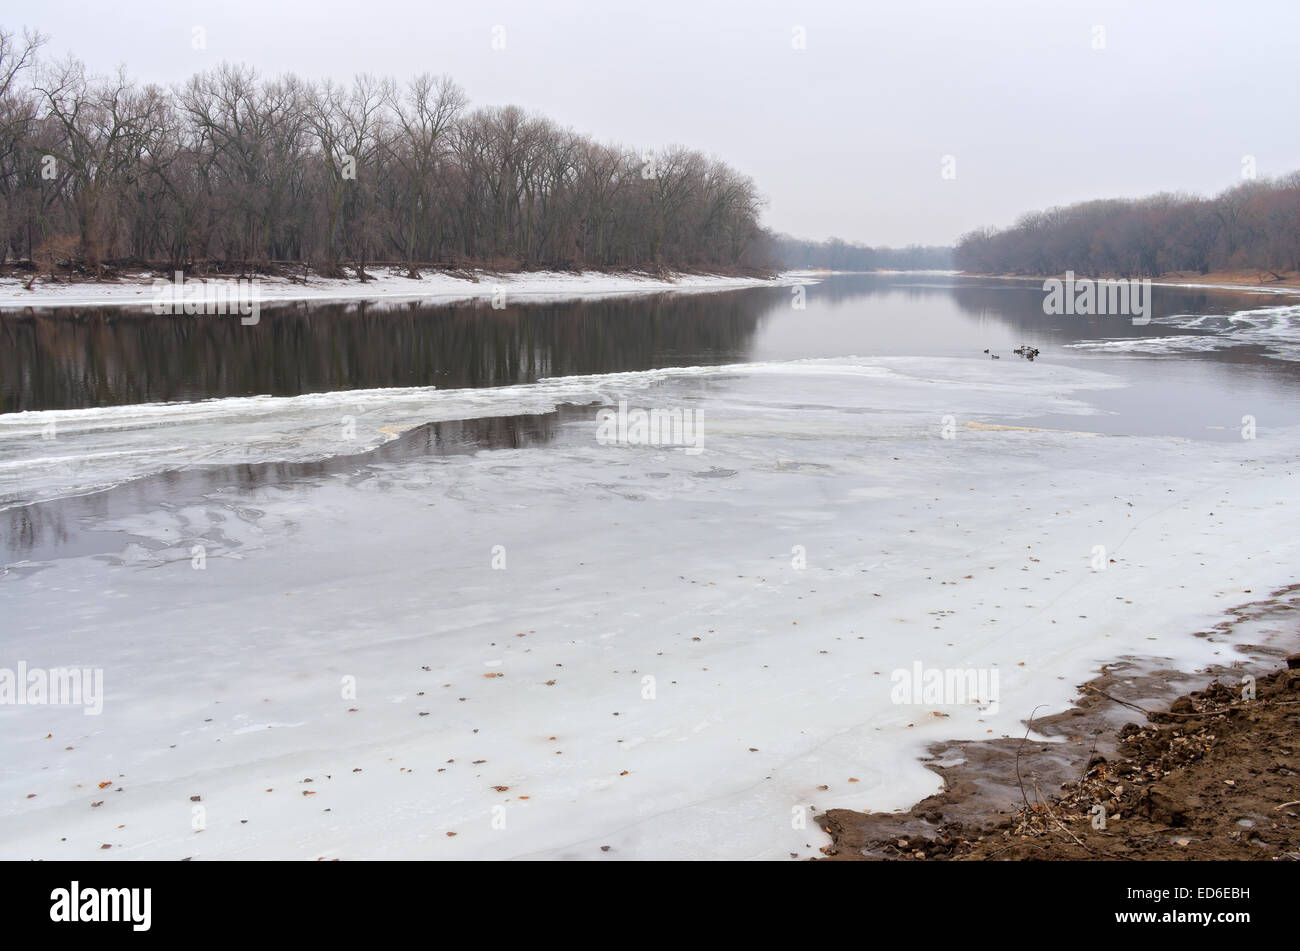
x=845, y=137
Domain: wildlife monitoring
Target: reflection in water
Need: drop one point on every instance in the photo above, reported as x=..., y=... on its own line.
x=64, y=527
x=107, y=356
x=70, y=359
x=1020, y=304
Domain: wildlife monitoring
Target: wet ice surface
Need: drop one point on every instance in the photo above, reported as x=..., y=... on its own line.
x=1275, y=330
x=621, y=563
x=96, y=448
x=53, y=453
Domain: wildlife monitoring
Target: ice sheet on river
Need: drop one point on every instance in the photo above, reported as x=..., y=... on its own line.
x=1274, y=329
x=545, y=652
x=44, y=454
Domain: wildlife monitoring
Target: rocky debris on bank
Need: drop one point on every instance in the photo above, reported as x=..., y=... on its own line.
x=1215, y=776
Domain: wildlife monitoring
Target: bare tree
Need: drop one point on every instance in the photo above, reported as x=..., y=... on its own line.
x=105, y=123
x=233, y=170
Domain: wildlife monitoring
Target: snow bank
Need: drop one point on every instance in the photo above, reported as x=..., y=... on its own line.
x=535, y=285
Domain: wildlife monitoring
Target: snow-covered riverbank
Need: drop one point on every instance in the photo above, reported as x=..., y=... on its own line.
x=385, y=284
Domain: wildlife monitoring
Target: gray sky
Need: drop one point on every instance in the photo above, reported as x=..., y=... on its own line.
x=845, y=137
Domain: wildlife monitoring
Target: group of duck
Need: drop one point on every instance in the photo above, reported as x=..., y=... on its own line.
x=1024, y=350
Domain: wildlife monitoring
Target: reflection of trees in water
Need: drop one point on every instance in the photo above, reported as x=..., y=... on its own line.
x=1020, y=305
x=105, y=356
x=844, y=288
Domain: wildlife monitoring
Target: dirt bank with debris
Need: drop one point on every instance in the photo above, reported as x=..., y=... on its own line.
x=1137, y=769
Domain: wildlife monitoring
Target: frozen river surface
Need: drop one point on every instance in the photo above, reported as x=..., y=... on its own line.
x=420, y=607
